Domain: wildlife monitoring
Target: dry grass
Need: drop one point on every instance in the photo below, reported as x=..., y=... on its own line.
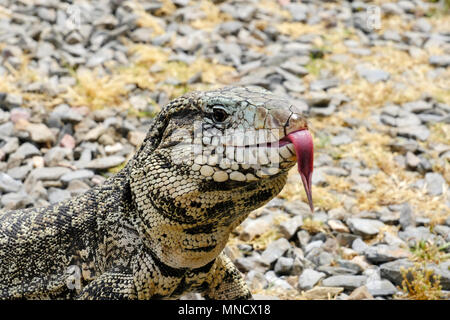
x=262, y=241
x=404, y=70
x=18, y=78
x=96, y=90
x=420, y=283
x=313, y=226
x=146, y=20
x=323, y=197
x=429, y=252
x=273, y=8
x=297, y=29
x=440, y=132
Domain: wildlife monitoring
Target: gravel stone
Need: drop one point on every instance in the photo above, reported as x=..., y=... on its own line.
x=15, y=200
x=322, y=293
x=295, y=207
x=440, y=61
x=303, y=238
x=412, y=160
x=391, y=270
x=56, y=195
x=8, y=184
x=365, y=227
x=105, y=162
x=309, y=278
x=359, y=246
x=393, y=240
x=19, y=113
x=77, y=187
x=341, y=140
x=10, y=146
x=19, y=173
x=348, y=282
x=48, y=173
x=12, y=100
x=334, y=271
x=256, y=280
x=319, y=257
x=95, y=133
x=275, y=250
x=414, y=132
x=56, y=155
x=407, y=218
x=337, y=225
x=435, y=183
x=414, y=235
x=283, y=266
x=349, y=265
x=313, y=245
x=253, y=228
x=381, y=288
x=324, y=84
x=372, y=75
x=26, y=150
x=417, y=106
x=277, y=283
x=4, y=116
x=40, y=133
x=6, y=129
x=383, y=253
x=392, y=8
x=77, y=175
x=444, y=231
x=360, y=293
x=289, y=228
x=230, y=27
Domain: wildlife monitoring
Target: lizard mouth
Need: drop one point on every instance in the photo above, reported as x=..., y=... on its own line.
x=304, y=153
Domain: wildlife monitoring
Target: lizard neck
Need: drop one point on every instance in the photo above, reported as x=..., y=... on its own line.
x=185, y=221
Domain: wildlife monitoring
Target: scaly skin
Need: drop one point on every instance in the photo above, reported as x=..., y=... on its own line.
x=157, y=228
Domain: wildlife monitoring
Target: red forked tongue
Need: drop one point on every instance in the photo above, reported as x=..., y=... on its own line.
x=304, y=149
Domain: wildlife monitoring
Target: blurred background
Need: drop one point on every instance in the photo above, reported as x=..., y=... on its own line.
x=80, y=83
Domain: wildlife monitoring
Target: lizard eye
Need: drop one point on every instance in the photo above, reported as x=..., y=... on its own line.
x=219, y=114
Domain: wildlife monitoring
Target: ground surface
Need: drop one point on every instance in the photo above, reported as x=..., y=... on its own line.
x=80, y=82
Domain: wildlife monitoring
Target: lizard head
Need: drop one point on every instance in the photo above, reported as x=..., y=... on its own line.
x=209, y=160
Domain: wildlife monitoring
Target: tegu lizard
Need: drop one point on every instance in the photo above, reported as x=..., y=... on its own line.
x=158, y=227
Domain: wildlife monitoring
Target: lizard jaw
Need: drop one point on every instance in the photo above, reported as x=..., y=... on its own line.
x=304, y=154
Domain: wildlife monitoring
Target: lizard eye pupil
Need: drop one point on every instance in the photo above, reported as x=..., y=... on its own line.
x=219, y=114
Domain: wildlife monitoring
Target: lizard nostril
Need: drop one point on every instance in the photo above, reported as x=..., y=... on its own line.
x=295, y=123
